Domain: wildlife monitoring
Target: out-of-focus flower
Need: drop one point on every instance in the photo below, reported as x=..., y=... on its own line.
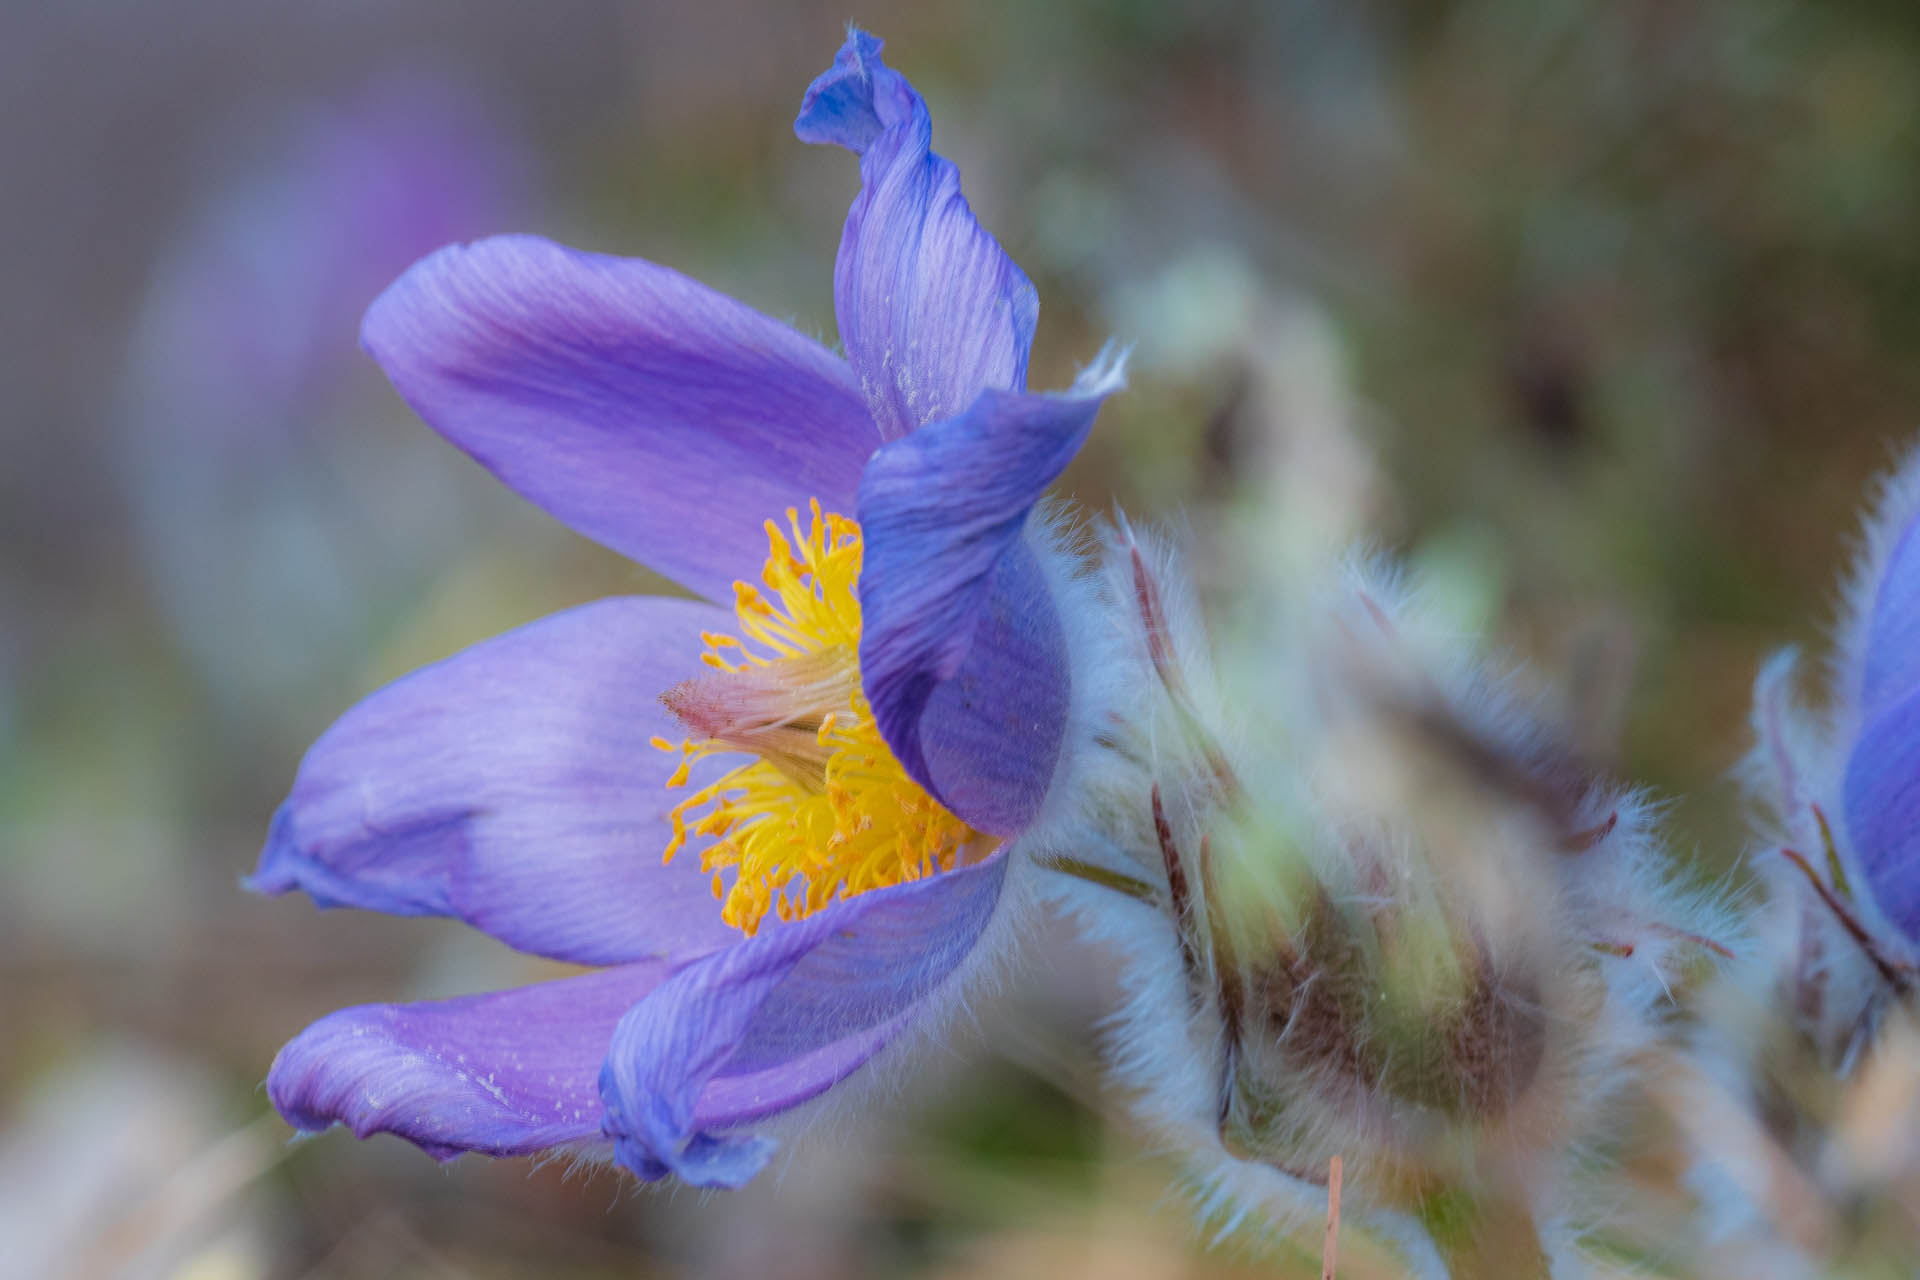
x=1840, y=794
x=1807, y=1060
x=245, y=317
x=865, y=767
x=1373, y=911
x=241, y=389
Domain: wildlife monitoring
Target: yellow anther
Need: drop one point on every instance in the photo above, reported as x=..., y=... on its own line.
x=825, y=811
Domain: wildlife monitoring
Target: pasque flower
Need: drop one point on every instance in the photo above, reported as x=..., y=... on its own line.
x=242, y=407
x=1787, y=1107
x=1841, y=794
x=852, y=740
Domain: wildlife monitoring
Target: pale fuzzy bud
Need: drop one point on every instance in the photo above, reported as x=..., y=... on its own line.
x=1372, y=913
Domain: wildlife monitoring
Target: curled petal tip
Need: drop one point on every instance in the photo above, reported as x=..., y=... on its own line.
x=931, y=309
x=852, y=102
x=777, y=1020
x=274, y=875
x=709, y=1160
x=509, y=1073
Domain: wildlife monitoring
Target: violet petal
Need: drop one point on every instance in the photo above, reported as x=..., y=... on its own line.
x=1890, y=668
x=932, y=311
x=640, y=407
x=962, y=654
x=779, y=1018
x=1881, y=793
x=508, y=1073
x=513, y=786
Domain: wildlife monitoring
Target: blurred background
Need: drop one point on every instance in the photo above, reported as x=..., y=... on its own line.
x=1602, y=313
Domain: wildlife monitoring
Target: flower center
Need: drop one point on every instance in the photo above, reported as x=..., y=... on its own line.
x=825, y=812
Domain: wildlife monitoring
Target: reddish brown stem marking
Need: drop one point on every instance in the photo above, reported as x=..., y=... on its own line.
x=1178, y=890
x=1581, y=841
x=1153, y=621
x=1226, y=973
x=1147, y=598
x=1686, y=935
x=1899, y=976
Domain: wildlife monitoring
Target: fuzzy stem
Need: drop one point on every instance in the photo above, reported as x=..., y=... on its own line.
x=1899, y=976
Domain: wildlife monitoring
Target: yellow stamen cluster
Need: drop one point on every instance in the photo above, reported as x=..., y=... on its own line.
x=826, y=812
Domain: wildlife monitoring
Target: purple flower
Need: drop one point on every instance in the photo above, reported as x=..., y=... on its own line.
x=1843, y=788
x=243, y=403
x=243, y=331
x=876, y=737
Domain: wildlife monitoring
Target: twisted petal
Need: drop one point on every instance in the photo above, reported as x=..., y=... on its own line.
x=505, y=1074
x=932, y=311
x=1882, y=798
x=513, y=786
x=640, y=407
x=962, y=653
x=776, y=1020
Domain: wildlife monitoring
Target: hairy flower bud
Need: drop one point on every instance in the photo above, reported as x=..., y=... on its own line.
x=1379, y=915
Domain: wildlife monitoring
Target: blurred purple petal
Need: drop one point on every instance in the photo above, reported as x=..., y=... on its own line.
x=505, y=1074
x=250, y=319
x=1890, y=665
x=1882, y=798
x=932, y=311
x=776, y=1020
x=513, y=786
x=242, y=400
x=961, y=652
x=640, y=407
